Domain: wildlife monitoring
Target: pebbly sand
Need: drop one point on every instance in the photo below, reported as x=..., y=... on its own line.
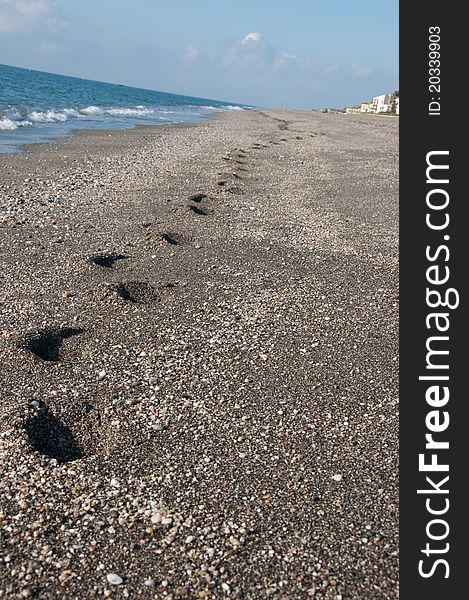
x=199, y=357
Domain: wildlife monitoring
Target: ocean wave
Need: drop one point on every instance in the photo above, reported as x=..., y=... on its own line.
x=91, y=111
x=210, y=107
x=8, y=124
x=139, y=111
x=50, y=116
x=221, y=108
x=12, y=118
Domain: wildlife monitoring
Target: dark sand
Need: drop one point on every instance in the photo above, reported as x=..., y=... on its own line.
x=199, y=361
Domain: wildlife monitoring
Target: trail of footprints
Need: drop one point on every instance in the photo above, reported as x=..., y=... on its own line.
x=46, y=433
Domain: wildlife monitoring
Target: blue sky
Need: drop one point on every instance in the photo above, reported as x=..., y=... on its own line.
x=295, y=53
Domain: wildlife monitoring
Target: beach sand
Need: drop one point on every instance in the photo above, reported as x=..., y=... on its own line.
x=199, y=359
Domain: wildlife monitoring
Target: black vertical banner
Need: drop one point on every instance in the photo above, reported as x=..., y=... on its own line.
x=434, y=357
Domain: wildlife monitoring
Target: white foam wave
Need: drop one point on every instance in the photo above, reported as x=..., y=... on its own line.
x=50, y=116
x=91, y=111
x=139, y=111
x=12, y=119
x=8, y=125
x=221, y=108
x=210, y=107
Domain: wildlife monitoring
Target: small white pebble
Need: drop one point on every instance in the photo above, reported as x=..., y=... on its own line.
x=337, y=477
x=114, y=579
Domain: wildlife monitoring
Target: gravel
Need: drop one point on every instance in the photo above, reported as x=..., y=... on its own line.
x=201, y=402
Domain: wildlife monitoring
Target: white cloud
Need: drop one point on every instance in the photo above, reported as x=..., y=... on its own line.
x=361, y=71
x=190, y=54
x=20, y=15
x=252, y=37
x=251, y=53
x=285, y=59
x=331, y=68
x=55, y=23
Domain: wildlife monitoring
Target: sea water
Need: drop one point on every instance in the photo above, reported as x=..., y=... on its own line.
x=38, y=107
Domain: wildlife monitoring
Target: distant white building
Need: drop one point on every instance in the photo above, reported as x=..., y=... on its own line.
x=385, y=103
x=381, y=104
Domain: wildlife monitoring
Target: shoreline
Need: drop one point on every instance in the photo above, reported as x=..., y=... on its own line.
x=29, y=148
x=79, y=132
x=199, y=360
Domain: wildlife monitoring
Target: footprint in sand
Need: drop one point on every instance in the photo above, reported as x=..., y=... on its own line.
x=225, y=176
x=51, y=437
x=47, y=343
x=138, y=292
x=132, y=292
x=197, y=210
x=153, y=234
x=234, y=190
x=107, y=260
x=198, y=198
x=173, y=239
